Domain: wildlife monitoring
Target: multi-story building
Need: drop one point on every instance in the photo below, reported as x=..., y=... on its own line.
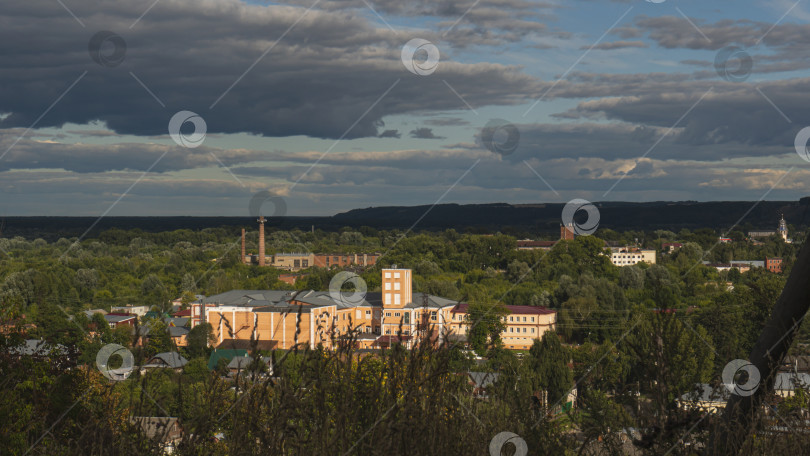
x=282, y=319
x=628, y=256
x=773, y=264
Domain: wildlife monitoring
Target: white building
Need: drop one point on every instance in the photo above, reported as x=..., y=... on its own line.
x=628, y=256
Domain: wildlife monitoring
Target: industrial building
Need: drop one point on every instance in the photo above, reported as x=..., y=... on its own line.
x=284, y=319
x=298, y=261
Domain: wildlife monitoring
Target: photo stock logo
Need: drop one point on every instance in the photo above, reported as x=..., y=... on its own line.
x=420, y=57
x=107, y=49
x=497, y=444
x=741, y=377
x=500, y=137
x=258, y=200
x=336, y=288
x=591, y=223
x=733, y=64
x=103, y=360
x=192, y=140
x=801, y=143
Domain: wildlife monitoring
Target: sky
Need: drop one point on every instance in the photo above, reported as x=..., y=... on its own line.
x=315, y=107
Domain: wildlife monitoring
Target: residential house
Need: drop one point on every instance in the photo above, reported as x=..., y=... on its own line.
x=120, y=319
x=165, y=360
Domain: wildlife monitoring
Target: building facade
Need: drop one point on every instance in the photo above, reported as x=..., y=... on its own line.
x=628, y=256
x=285, y=319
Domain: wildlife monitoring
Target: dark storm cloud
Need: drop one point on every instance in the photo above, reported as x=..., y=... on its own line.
x=390, y=134
x=424, y=133
x=466, y=22
x=95, y=158
x=318, y=80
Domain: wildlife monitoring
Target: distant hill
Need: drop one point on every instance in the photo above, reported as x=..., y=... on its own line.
x=537, y=218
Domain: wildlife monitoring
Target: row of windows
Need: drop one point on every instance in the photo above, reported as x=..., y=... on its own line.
x=518, y=330
x=388, y=286
x=397, y=299
x=388, y=275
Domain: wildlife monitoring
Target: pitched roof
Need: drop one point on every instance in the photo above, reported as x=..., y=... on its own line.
x=788, y=381
x=483, y=379
x=171, y=360
x=242, y=362
x=227, y=354
x=38, y=347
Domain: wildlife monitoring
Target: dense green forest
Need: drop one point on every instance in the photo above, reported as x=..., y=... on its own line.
x=630, y=341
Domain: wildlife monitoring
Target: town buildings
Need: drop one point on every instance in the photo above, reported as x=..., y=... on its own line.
x=284, y=319
x=628, y=256
x=781, y=230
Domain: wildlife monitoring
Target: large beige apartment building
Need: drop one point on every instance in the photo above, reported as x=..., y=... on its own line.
x=282, y=319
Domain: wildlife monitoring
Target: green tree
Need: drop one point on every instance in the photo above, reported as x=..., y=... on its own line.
x=486, y=325
x=550, y=360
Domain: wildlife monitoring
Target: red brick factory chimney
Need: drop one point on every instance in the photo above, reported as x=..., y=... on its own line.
x=261, y=241
x=243, y=246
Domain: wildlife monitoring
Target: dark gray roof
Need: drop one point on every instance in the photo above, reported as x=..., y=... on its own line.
x=118, y=318
x=242, y=362
x=37, y=347
x=279, y=300
x=177, y=331
x=483, y=379
x=167, y=359
x=788, y=381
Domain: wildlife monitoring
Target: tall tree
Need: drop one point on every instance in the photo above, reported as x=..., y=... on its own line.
x=550, y=361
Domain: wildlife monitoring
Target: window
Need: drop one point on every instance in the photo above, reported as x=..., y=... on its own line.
x=511, y=319
x=532, y=319
x=396, y=300
x=524, y=318
x=388, y=331
x=368, y=312
x=524, y=329
x=387, y=285
x=359, y=314
x=388, y=314
x=297, y=263
x=433, y=315
x=388, y=298
x=387, y=275
x=396, y=275
x=305, y=263
x=368, y=329
x=396, y=286
x=396, y=314
x=532, y=330
x=336, y=259
x=511, y=330
x=407, y=318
